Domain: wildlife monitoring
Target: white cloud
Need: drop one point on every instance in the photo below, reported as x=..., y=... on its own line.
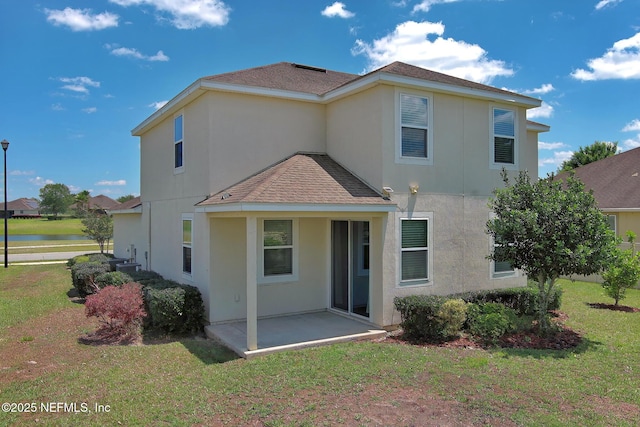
x=118, y=182
x=158, y=104
x=81, y=19
x=78, y=84
x=134, y=53
x=425, y=5
x=622, y=61
x=544, y=110
x=74, y=189
x=38, y=180
x=604, y=3
x=632, y=126
x=187, y=14
x=631, y=143
x=337, y=9
x=57, y=107
x=556, y=160
x=545, y=88
x=89, y=110
x=550, y=145
x=21, y=173
x=410, y=43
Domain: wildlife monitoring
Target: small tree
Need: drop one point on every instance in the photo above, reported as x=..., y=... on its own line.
x=55, y=199
x=126, y=198
x=98, y=227
x=624, y=272
x=82, y=203
x=549, y=229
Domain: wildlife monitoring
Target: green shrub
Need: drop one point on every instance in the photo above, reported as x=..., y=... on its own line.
x=83, y=276
x=144, y=276
x=95, y=257
x=420, y=318
x=452, y=315
x=112, y=278
x=173, y=307
x=490, y=321
x=523, y=300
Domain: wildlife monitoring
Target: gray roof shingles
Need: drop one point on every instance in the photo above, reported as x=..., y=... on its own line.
x=615, y=181
x=300, y=179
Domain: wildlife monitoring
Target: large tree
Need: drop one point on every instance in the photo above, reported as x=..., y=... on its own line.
x=549, y=228
x=126, y=198
x=98, y=227
x=597, y=151
x=82, y=203
x=55, y=199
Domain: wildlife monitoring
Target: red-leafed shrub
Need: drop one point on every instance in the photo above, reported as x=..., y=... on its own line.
x=120, y=310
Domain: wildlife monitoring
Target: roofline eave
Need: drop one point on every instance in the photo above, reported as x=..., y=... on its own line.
x=296, y=207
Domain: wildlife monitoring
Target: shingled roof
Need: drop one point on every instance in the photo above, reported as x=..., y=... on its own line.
x=286, y=76
x=615, y=181
x=300, y=179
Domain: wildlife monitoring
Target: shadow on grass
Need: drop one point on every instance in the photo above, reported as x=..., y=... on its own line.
x=75, y=297
x=585, y=345
x=208, y=351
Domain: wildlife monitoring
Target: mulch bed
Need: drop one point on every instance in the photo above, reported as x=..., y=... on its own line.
x=624, y=308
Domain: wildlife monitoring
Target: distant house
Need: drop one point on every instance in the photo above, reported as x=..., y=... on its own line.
x=615, y=182
x=289, y=189
x=22, y=208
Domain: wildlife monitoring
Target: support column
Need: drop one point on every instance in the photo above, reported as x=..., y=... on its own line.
x=252, y=283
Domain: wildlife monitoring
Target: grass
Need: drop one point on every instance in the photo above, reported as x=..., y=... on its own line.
x=44, y=226
x=195, y=381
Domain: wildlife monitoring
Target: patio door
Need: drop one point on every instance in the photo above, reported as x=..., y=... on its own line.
x=350, y=266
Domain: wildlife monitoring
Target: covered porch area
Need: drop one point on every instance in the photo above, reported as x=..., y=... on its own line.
x=293, y=332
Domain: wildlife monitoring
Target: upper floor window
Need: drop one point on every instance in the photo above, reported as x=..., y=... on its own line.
x=178, y=141
x=415, y=125
x=415, y=134
x=504, y=137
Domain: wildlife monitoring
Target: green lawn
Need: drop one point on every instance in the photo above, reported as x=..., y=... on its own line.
x=44, y=226
x=194, y=381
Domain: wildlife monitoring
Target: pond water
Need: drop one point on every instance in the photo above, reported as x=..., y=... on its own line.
x=39, y=237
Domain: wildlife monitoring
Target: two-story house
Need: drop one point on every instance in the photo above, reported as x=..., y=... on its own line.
x=289, y=189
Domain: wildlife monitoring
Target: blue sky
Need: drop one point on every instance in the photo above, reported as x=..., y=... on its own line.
x=77, y=76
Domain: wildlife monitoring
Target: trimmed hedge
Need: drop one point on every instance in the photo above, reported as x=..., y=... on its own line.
x=523, y=300
x=171, y=307
x=422, y=318
x=112, y=278
x=489, y=321
x=83, y=276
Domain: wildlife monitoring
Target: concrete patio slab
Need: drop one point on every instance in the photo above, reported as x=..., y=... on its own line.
x=293, y=332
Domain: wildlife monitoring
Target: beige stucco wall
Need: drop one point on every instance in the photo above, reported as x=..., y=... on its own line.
x=459, y=249
x=127, y=231
x=626, y=221
x=363, y=129
x=250, y=133
x=228, y=271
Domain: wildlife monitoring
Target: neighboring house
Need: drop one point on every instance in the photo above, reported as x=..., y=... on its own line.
x=615, y=182
x=23, y=208
x=126, y=229
x=287, y=189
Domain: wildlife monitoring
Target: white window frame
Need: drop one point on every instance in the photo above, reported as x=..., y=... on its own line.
x=615, y=222
x=501, y=274
x=361, y=244
x=186, y=217
x=429, y=128
x=416, y=216
x=280, y=278
x=494, y=135
x=176, y=141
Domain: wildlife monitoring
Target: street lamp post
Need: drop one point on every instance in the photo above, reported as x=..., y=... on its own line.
x=5, y=145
